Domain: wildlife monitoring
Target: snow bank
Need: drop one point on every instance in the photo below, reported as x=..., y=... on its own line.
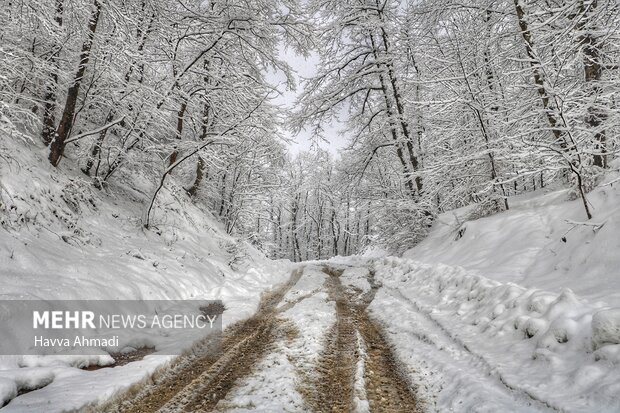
x=606, y=329
x=542, y=350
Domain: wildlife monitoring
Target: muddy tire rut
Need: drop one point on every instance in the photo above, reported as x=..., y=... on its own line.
x=198, y=381
x=334, y=389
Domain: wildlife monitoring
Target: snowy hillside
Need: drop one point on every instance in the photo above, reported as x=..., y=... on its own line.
x=61, y=238
x=543, y=241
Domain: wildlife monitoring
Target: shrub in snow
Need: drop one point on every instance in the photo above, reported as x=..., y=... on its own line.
x=487, y=207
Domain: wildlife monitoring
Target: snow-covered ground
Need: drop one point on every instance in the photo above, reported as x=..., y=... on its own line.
x=543, y=241
x=61, y=238
x=518, y=311
x=474, y=344
x=514, y=312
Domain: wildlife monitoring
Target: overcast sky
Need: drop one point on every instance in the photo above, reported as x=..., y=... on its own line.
x=304, y=68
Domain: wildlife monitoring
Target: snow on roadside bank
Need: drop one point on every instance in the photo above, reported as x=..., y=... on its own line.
x=481, y=345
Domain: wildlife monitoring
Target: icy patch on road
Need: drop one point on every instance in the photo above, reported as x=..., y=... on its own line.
x=308, y=284
x=313, y=317
x=307, y=306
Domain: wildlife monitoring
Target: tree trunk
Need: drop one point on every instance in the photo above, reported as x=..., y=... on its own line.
x=200, y=175
x=57, y=146
x=294, y=235
x=400, y=109
x=179, y=131
x=335, y=232
x=98, y=145
x=49, y=111
x=593, y=71
x=200, y=164
x=389, y=112
x=489, y=77
x=539, y=78
x=573, y=157
x=95, y=152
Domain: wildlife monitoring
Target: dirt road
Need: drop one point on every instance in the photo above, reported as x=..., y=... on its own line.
x=355, y=370
x=356, y=340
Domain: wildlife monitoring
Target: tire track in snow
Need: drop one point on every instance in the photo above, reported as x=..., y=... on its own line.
x=200, y=380
x=333, y=390
x=357, y=362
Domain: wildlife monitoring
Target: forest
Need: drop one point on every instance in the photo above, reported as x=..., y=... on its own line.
x=443, y=104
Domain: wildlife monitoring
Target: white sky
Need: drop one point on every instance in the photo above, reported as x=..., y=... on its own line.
x=304, y=68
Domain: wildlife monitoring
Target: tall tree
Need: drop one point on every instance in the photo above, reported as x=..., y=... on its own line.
x=57, y=145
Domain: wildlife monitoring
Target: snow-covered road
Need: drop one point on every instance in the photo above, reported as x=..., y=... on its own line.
x=397, y=335
x=310, y=347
